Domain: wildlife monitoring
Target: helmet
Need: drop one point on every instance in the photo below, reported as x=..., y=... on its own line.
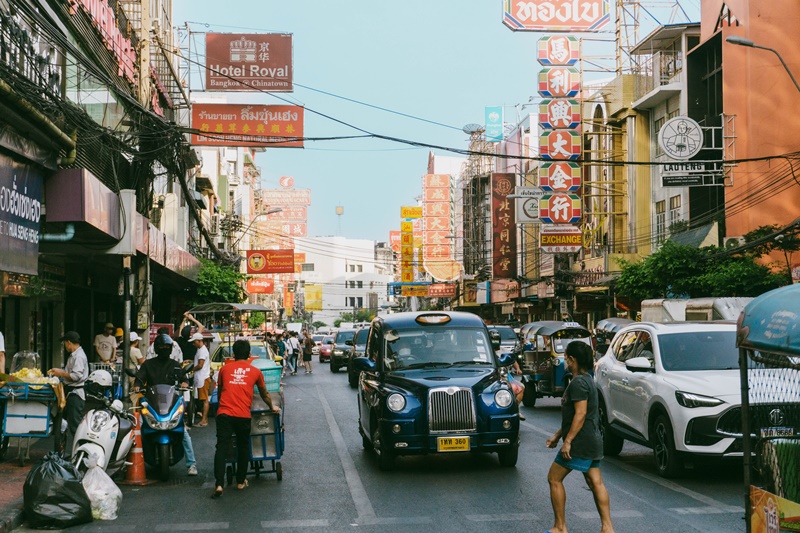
x=99, y=384
x=163, y=345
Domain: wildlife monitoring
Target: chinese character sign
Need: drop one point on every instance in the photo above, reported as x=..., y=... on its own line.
x=560, y=144
x=560, y=208
x=555, y=82
x=504, y=229
x=249, y=62
x=279, y=126
x=559, y=113
x=560, y=176
x=558, y=50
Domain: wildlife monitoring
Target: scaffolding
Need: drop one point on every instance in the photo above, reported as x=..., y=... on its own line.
x=476, y=203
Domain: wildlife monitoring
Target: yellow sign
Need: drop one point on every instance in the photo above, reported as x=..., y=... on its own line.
x=415, y=290
x=406, y=227
x=407, y=211
x=313, y=297
x=772, y=513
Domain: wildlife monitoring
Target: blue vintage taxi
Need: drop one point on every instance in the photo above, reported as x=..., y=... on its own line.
x=431, y=382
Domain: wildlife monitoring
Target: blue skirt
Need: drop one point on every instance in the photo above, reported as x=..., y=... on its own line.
x=581, y=465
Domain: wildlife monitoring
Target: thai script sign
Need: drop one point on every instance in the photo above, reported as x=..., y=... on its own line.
x=260, y=286
x=504, y=229
x=282, y=198
x=560, y=239
x=270, y=261
x=249, y=62
x=279, y=126
x=558, y=50
x=20, y=213
x=556, y=15
x=105, y=22
x=411, y=211
x=527, y=209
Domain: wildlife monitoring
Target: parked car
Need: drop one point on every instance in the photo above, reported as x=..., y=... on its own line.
x=509, y=341
x=342, y=342
x=431, y=383
x=258, y=349
x=357, y=350
x=673, y=387
x=325, y=348
x=317, y=343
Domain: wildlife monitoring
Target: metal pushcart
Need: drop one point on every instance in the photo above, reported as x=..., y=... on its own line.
x=266, y=430
x=26, y=415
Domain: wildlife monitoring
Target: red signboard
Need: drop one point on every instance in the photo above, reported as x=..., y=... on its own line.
x=560, y=144
x=296, y=212
x=277, y=126
x=504, y=229
x=556, y=15
x=560, y=176
x=441, y=290
x=559, y=113
x=270, y=261
x=559, y=50
x=287, y=182
x=555, y=82
x=560, y=208
x=260, y=286
x=249, y=62
x=394, y=240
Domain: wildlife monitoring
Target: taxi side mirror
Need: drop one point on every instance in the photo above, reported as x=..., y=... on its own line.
x=362, y=364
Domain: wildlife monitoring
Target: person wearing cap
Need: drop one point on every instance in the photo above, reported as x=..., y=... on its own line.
x=202, y=375
x=73, y=375
x=105, y=344
x=137, y=359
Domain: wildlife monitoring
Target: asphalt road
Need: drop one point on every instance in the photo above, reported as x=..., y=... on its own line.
x=331, y=484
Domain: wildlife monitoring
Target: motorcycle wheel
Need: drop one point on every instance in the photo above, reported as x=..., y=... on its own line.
x=163, y=462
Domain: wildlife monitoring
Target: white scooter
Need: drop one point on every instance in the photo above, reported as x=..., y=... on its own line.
x=106, y=431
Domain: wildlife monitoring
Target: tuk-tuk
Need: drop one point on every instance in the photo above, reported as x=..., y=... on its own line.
x=542, y=359
x=605, y=331
x=768, y=337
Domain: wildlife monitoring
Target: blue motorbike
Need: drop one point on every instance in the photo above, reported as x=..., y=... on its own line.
x=163, y=407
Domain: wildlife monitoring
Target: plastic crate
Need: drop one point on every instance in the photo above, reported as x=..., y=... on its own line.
x=272, y=378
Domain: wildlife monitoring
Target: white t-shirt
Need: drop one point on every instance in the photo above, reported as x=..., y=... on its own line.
x=201, y=375
x=106, y=346
x=2, y=343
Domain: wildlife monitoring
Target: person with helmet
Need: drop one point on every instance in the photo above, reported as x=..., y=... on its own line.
x=163, y=370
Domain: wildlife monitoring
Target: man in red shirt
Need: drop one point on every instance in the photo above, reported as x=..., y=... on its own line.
x=235, y=389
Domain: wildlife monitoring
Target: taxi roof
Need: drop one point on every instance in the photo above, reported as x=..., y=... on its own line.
x=408, y=320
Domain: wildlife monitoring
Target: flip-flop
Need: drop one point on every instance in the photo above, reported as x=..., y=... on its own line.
x=201, y=425
x=217, y=493
x=242, y=485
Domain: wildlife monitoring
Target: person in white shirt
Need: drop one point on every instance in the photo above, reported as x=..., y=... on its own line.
x=2, y=354
x=202, y=375
x=176, y=354
x=105, y=344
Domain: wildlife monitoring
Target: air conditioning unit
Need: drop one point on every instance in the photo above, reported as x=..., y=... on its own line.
x=733, y=242
x=214, y=226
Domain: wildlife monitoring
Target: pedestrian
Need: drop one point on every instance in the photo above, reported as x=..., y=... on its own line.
x=105, y=344
x=2, y=354
x=189, y=348
x=73, y=375
x=291, y=359
x=295, y=344
x=281, y=350
x=582, y=449
x=202, y=376
x=517, y=388
x=308, y=350
x=236, y=382
x=136, y=357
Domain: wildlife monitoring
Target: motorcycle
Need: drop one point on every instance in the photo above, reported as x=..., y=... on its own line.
x=105, y=432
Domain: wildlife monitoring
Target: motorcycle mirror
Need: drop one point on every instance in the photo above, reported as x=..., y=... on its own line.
x=116, y=405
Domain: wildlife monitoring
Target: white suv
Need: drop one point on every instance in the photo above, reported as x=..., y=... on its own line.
x=672, y=387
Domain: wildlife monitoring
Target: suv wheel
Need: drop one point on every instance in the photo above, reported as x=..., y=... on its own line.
x=334, y=367
x=612, y=443
x=668, y=461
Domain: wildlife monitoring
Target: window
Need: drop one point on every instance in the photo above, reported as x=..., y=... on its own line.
x=359, y=268
x=657, y=124
x=360, y=302
x=661, y=221
x=674, y=209
x=308, y=267
x=360, y=284
x=623, y=346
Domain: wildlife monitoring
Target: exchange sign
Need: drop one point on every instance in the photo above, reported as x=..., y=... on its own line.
x=561, y=239
x=560, y=208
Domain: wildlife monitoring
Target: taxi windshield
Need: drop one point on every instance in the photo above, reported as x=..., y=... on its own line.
x=437, y=347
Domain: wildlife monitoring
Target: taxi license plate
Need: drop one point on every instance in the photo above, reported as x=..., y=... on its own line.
x=452, y=444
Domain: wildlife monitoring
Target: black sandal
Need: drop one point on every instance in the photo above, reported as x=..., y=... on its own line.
x=217, y=493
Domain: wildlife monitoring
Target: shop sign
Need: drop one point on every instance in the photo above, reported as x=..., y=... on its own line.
x=413, y=211
x=270, y=261
x=558, y=51
x=561, y=239
x=559, y=113
x=504, y=228
x=680, y=138
x=249, y=62
x=104, y=18
x=415, y=290
x=313, y=295
x=470, y=293
x=282, y=198
x=559, y=82
x=36, y=60
x=556, y=15
x=682, y=173
x=560, y=208
x=260, y=286
x=560, y=176
x=248, y=125
x=441, y=290
x=560, y=144
x=21, y=188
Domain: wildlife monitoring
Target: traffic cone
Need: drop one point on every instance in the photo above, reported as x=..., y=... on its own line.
x=135, y=474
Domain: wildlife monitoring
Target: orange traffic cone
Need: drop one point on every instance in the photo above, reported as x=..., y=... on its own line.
x=135, y=474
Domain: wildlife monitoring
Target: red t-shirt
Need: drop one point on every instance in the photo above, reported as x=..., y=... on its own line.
x=237, y=379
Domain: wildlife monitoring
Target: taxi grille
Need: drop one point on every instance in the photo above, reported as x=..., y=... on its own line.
x=451, y=409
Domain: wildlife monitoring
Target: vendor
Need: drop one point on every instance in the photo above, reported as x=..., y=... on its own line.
x=74, y=375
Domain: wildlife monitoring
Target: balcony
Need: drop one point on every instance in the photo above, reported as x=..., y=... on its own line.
x=657, y=78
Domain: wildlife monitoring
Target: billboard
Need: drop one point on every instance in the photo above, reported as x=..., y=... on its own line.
x=249, y=62
x=21, y=191
x=504, y=228
x=556, y=15
x=313, y=295
x=260, y=286
x=270, y=261
x=494, y=124
x=279, y=126
x=282, y=198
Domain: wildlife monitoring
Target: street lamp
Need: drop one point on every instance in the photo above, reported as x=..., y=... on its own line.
x=271, y=211
x=741, y=41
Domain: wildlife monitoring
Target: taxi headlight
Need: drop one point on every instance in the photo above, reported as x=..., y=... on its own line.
x=503, y=398
x=396, y=402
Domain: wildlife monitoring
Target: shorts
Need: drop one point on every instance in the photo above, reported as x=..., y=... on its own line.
x=202, y=392
x=581, y=465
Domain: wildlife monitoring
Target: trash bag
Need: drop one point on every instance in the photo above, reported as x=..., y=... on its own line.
x=53, y=496
x=102, y=491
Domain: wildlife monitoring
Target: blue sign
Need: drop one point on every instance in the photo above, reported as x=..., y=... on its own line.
x=20, y=211
x=494, y=124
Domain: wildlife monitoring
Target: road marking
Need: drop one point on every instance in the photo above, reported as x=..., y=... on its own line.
x=293, y=523
x=354, y=484
x=207, y=526
x=706, y=510
x=411, y=520
x=588, y=515
x=510, y=517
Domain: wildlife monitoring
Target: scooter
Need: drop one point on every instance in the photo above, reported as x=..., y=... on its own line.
x=105, y=432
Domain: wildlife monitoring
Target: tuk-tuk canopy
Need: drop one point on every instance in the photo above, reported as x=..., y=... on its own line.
x=225, y=307
x=612, y=324
x=771, y=322
x=549, y=327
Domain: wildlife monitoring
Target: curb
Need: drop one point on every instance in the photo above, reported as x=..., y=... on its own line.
x=10, y=519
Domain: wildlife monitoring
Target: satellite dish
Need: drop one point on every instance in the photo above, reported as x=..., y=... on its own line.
x=472, y=128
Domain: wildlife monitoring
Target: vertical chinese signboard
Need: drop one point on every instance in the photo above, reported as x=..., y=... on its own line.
x=504, y=229
x=406, y=251
x=437, y=226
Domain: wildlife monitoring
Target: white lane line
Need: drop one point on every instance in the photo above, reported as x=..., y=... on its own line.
x=411, y=520
x=588, y=515
x=354, y=484
x=208, y=526
x=707, y=500
x=274, y=524
x=706, y=510
x=510, y=517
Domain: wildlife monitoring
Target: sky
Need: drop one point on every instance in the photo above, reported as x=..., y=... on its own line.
x=439, y=62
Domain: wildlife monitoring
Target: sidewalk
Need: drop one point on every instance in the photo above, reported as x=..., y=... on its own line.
x=13, y=478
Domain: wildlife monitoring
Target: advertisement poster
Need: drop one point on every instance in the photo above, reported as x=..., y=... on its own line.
x=249, y=62
x=270, y=261
x=773, y=514
x=279, y=126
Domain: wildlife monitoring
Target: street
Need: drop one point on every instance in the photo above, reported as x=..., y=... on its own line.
x=331, y=484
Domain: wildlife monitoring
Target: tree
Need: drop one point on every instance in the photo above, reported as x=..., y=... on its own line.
x=319, y=324
x=218, y=283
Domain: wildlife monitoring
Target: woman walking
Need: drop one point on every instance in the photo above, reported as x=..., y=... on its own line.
x=582, y=449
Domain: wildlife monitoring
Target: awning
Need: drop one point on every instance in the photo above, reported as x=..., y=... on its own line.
x=200, y=199
x=698, y=237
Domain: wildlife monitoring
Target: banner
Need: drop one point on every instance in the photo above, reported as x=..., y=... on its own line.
x=504, y=228
x=249, y=62
x=494, y=124
x=313, y=293
x=270, y=261
x=278, y=126
x=260, y=286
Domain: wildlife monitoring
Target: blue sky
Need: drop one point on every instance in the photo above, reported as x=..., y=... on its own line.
x=439, y=60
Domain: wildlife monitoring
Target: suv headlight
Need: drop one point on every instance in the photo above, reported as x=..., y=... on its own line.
x=503, y=398
x=396, y=402
x=338, y=352
x=691, y=400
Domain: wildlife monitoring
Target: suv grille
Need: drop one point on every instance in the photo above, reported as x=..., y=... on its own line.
x=730, y=423
x=451, y=409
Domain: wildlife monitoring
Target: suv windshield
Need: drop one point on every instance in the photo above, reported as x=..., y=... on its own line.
x=506, y=333
x=699, y=350
x=343, y=336
x=439, y=347
x=361, y=336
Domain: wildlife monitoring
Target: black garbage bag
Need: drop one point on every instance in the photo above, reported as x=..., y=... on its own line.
x=53, y=495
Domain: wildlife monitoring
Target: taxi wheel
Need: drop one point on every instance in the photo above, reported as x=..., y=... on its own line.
x=385, y=457
x=365, y=442
x=508, y=456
